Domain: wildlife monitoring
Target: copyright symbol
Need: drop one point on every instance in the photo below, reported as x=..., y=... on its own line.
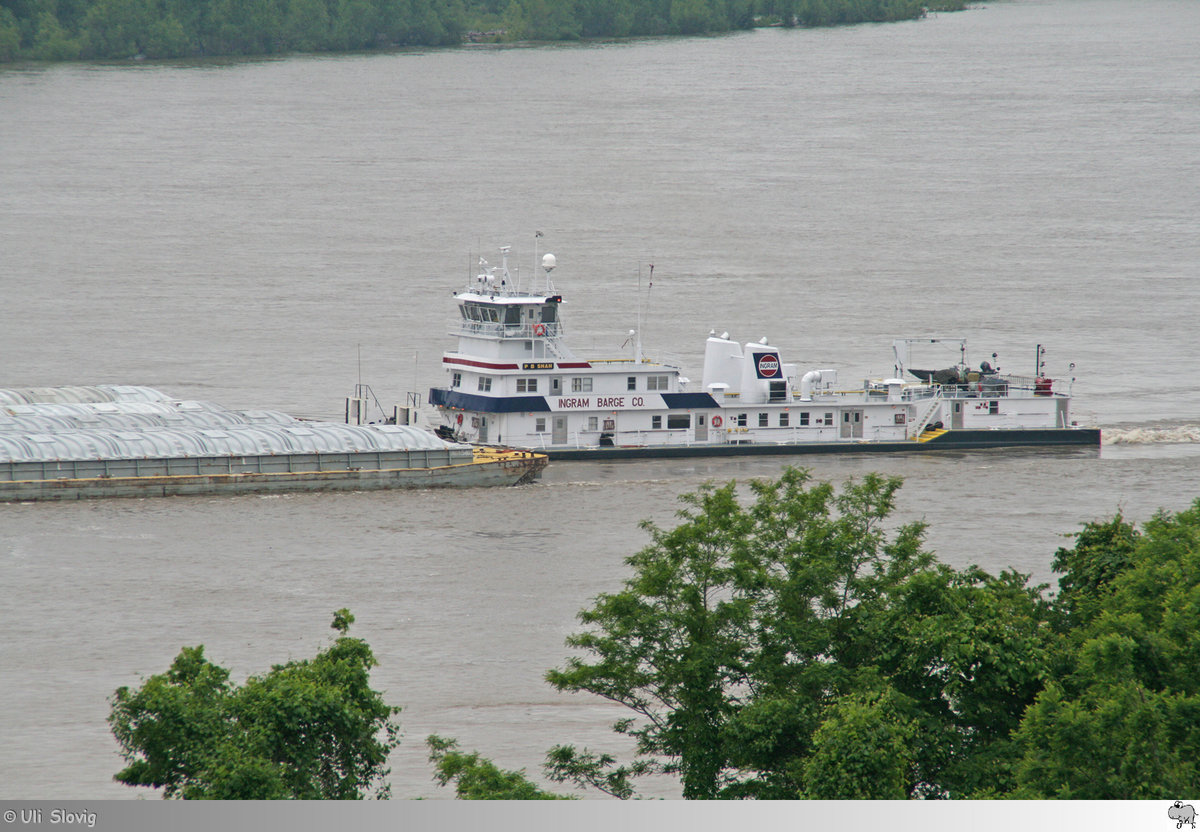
x=10, y=816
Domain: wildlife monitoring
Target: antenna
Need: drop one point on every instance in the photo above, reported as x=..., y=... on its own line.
x=637, y=346
x=536, y=236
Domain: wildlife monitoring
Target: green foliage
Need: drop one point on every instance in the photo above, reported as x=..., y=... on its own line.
x=1101, y=552
x=476, y=778
x=51, y=41
x=129, y=28
x=1120, y=718
x=801, y=645
x=862, y=751
x=597, y=771
x=10, y=36
x=971, y=652
x=671, y=645
x=311, y=729
x=70, y=29
x=754, y=640
x=835, y=13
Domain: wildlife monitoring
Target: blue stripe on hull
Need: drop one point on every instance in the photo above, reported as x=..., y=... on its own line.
x=688, y=401
x=441, y=397
x=960, y=440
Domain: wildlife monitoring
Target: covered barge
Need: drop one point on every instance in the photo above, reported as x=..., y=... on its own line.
x=116, y=441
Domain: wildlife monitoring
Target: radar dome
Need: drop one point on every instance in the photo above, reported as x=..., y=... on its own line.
x=548, y=262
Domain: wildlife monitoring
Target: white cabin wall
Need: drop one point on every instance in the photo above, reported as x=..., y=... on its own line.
x=722, y=364
x=1013, y=413
x=753, y=388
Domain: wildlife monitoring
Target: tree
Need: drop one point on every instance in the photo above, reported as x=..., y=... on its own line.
x=1102, y=551
x=756, y=645
x=125, y=28
x=689, y=17
x=863, y=748
x=1121, y=716
x=10, y=36
x=735, y=632
x=476, y=778
x=671, y=646
x=305, y=25
x=52, y=41
x=970, y=652
x=800, y=646
x=310, y=729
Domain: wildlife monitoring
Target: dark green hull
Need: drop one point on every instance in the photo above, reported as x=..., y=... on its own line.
x=954, y=440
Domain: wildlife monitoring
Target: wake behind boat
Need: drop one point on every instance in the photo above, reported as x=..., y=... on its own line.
x=513, y=380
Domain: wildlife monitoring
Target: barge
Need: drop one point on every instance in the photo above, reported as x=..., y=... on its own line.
x=119, y=441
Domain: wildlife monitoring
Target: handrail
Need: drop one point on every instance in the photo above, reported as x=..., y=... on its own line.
x=551, y=329
x=917, y=427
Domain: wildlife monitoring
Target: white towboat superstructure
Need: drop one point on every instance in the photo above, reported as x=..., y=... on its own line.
x=514, y=381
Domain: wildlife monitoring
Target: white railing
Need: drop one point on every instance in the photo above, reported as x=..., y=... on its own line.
x=553, y=329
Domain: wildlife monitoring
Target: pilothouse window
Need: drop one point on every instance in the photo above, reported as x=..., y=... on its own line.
x=483, y=312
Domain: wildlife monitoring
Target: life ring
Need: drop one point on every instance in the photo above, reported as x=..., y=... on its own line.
x=717, y=421
x=539, y=329
x=460, y=418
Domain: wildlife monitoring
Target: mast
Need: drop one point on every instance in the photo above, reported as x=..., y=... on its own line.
x=638, y=340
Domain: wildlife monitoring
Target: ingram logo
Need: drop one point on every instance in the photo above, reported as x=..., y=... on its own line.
x=768, y=365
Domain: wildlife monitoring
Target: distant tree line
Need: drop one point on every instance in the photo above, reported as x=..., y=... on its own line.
x=63, y=30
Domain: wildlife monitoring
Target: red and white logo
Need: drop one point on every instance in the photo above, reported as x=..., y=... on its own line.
x=768, y=365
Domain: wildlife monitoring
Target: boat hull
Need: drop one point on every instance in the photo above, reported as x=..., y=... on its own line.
x=490, y=468
x=956, y=440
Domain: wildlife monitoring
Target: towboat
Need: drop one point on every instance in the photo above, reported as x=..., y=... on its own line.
x=513, y=380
